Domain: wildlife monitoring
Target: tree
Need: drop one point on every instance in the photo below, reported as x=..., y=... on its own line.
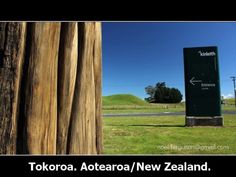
x=175, y=95
x=162, y=94
x=150, y=90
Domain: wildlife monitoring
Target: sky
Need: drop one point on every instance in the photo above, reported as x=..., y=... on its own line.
x=138, y=54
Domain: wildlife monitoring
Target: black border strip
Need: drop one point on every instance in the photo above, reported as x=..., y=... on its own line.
x=216, y=164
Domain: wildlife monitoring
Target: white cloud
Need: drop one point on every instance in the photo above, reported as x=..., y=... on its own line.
x=228, y=96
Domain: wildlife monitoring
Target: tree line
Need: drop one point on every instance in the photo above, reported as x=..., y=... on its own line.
x=160, y=93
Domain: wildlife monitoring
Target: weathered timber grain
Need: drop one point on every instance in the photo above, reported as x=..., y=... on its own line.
x=83, y=121
x=12, y=43
x=67, y=68
x=51, y=74
x=41, y=89
x=98, y=85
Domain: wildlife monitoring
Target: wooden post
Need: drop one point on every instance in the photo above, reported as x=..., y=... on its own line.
x=56, y=90
x=97, y=61
x=41, y=97
x=12, y=42
x=67, y=68
x=83, y=137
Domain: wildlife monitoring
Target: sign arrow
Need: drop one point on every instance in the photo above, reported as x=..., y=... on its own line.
x=192, y=81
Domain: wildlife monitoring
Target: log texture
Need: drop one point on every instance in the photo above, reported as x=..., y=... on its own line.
x=97, y=61
x=41, y=97
x=83, y=137
x=67, y=68
x=50, y=88
x=12, y=43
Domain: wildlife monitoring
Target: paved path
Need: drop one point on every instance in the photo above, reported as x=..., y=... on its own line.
x=156, y=114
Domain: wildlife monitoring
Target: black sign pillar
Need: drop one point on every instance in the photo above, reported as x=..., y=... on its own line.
x=202, y=87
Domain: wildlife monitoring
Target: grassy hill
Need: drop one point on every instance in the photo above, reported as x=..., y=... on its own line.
x=127, y=103
x=229, y=101
x=123, y=99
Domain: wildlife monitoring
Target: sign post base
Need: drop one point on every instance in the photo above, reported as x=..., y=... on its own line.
x=204, y=121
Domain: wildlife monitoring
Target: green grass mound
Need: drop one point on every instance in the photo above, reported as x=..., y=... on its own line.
x=123, y=99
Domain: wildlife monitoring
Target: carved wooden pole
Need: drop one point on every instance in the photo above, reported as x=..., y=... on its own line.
x=97, y=61
x=67, y=68
x=57, y=90
x=83, y=137
x=41, y=97
x=12, y=43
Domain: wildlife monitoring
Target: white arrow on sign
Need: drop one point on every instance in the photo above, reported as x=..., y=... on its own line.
x=192, y=81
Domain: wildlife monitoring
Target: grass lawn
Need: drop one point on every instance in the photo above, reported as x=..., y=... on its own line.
x=151, y=108
x=167, y=135
x=127, y=103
